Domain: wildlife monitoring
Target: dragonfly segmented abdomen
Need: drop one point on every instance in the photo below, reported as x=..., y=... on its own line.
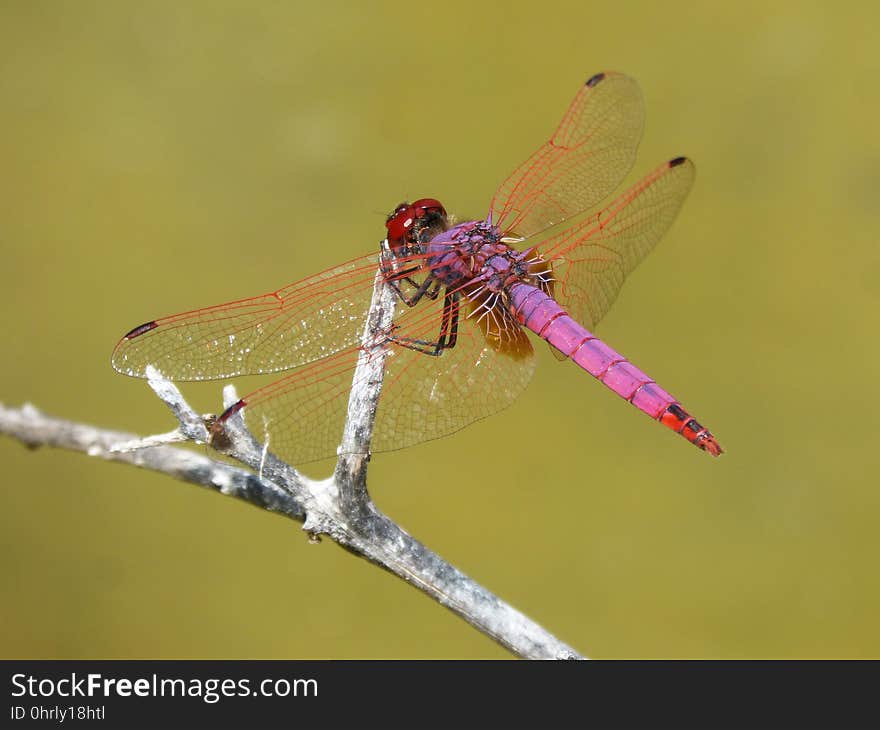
x=540, y=313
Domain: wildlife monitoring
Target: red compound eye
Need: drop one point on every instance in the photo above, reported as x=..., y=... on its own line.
x=400, y=221
x=408, y=222
x=426, y=206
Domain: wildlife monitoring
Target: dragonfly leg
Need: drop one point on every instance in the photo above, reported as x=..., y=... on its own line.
x=448, y=331
x=423, y=289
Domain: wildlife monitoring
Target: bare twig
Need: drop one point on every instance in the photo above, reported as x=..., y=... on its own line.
x=34, y=428
x=354, y=451
x=339, y=507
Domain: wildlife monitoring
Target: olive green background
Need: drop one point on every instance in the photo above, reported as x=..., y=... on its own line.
x=156, y=157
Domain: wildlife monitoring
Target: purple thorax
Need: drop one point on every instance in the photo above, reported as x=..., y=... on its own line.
x=474, y=251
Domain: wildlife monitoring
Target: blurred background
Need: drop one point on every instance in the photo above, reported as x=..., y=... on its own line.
x=162, y=156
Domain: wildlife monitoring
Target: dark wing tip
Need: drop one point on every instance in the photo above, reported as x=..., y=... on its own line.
x=675, y=162
x=140, y=329
x=593, y=80
x=231, y=411
x=119, y=359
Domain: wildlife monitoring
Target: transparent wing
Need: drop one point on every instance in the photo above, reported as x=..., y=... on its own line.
x=591, y=259
x=587, y=157
x=423, y=397
x=299, y=323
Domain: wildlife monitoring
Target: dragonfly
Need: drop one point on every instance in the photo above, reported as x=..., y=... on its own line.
x=548, y=258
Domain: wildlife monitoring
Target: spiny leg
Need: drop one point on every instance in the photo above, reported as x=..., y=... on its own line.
x=423, y=289
x=448, y=330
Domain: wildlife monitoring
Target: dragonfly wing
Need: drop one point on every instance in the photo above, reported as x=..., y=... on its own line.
x=587, y=157
x=423, y=396
x=299, y=323
x=300, y=417
x=591, y=259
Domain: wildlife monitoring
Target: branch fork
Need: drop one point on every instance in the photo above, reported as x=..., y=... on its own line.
x=339, y=507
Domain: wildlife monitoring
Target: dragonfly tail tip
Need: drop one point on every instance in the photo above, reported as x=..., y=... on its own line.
x=711, y=445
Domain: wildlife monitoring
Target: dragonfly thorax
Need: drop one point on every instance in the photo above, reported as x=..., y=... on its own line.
x=476, y=253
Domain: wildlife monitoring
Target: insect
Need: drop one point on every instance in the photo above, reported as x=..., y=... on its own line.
x=545, y=259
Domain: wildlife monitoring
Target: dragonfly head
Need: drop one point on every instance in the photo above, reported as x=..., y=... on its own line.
x=411, y=224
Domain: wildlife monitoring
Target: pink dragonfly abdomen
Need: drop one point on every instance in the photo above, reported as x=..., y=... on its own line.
x=541, y=313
